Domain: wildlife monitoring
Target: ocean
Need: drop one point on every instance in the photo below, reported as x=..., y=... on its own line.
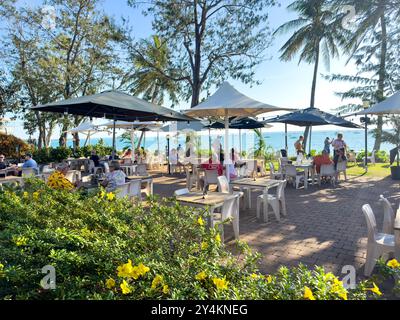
x=276, y=140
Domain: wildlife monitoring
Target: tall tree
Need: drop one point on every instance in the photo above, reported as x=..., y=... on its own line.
x=372, y=21
x=71, y=55
x=317, y=32
x=209, y=40
x=146, y=79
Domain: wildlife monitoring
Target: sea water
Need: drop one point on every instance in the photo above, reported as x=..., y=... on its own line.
x=355, y=140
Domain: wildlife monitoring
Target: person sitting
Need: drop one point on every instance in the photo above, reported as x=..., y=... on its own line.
x=127, y=154
x=95, y=158
x=322, y=159
x=113, y=156
x=58, y=181
x=30, y=163
x=116, y=177
x=3, y=163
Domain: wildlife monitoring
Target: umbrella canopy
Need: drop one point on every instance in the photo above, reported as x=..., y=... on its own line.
x=389, y=106
x=113, y=105
x=243, y=123
x=312, y=117
x=228, y=102
x=86, y=128
x=136, y=125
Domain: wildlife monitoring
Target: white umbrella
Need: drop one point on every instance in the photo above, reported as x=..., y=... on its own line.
x=228, y=102
x=86, y=128
x=389, y=106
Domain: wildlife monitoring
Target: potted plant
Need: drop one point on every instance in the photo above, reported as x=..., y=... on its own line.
x=393, y=137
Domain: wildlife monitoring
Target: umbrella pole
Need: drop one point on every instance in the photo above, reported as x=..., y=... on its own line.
x=113, y=142
x=158, y=141
x=209, y=142
x=133, y=144
x=286, y=143
x=226, y=155
x=309, y=147
x=240, y=142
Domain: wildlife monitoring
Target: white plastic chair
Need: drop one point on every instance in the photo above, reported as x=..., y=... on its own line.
x=341, y=168
x=378, y=243
x=28, y=172
x=294, y=175
x=230, y=210
x=274, y=174
x=181, y=192
x=93, y=169
x=71, y=176
x=122, y=191
x=135, y=189
x=191, y=178
x=141, y=170
x=388, y=215
x=371, y=158
x=327, y=170
x=223, y=187
x=211, y=177
x=106, y=167
x=277, y=202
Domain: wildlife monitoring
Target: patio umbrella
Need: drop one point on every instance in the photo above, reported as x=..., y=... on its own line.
x=86, y=128
x=311, y=117
x=115, y=105
x=227, y=102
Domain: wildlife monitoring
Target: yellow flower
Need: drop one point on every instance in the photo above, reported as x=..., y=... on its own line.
x=158, y=280
x=200, y=221
x=165, y=289
x=25, y=194
x=110, y=196
x=269, y=279
x=102, y=194
x=20, y=241
x=125, y=288
x=126, y=270
x=218, y=238
x=393, y=264
x=220, y=284
x=308, y=294
x=110, y=283
x=142, y=269
x=204, y=245
x=329, y=277
x=201, y=276
x=254, y=276
x=375, y=289
x=35, y=195
x=343, y=295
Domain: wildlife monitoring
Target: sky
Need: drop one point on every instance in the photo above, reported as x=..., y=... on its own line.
x=284, y=84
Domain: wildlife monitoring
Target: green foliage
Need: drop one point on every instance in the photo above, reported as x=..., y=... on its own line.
x=11, y=146
x=90, y=240
x=390, y=270
x=381, y=156
x=261, y=149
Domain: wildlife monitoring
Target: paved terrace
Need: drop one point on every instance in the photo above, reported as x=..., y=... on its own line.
x=324, y=226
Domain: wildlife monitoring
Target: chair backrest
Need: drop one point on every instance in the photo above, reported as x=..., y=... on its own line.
x=122, y=190
x=71, y=176
x=388, y=215
x=341, y=166
x=327, y=170
x=223, y=184
x=280, y=191
x=371, y=222
x=87, y=179
x=181, y=192
x=211, y=176
x=230, y=208
x=290, y=170
x=141, y=170
x=106, y=167
x=135, y=188
x=28, y=172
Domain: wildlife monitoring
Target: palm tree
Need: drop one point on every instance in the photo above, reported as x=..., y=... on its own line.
x=317, y=31
x=148, y=80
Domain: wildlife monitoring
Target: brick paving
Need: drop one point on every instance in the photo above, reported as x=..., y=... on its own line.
x=324, y=225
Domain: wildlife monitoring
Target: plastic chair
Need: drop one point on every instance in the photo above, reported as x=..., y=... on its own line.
x=378, y=243
x=135, y=189
x=93, y=169
x=28, y=172
x=327, y=170
x=191, y=178
x=371, y=158
x=388, y=215
x=274, y=174
x=211, y=177
x=106, y=167
x=71, y=176
x=230, y=210
x=181, y=192
x=223, y=187
x=122, y=191
x=294, y=175
x=341, y=168
x=141, y=170
x=277, y=202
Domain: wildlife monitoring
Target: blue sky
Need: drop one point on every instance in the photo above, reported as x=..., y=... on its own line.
x=285, y=84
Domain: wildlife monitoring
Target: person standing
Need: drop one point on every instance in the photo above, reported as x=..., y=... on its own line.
x=327, y=145
x=298, y=145
x=339, y=149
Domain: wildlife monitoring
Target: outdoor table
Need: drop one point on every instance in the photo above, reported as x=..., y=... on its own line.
x=397, y=235
x=263, y=184
x=129, y=169
x=210, y=202
x=308, y=168
x=148, y=180
x=11, y=179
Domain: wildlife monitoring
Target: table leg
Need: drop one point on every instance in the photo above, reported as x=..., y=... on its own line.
x=265, y=205
x=305, y=178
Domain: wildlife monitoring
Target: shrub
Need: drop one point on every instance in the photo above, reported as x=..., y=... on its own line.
x=381, y=156
x=11, y=146
x=105, y=248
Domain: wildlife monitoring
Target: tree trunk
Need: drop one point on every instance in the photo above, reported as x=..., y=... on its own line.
x=77, y=141
x=381, y=82
x=313, y=89
x=196, y=86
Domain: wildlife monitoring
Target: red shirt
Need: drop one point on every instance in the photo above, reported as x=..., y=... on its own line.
x=213, y=166
x=320, y=160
